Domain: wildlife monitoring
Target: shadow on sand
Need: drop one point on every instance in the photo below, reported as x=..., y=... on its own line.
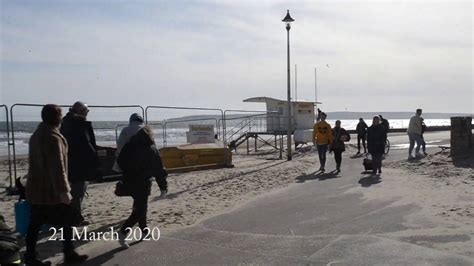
x=234, y=176
x=317, y=176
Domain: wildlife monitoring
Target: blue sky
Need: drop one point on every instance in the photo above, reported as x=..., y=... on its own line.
x=370, y=55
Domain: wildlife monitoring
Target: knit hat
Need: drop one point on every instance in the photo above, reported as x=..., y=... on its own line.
x=136, y=117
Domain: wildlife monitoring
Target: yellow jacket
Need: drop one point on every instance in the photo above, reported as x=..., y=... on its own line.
x=322, y=133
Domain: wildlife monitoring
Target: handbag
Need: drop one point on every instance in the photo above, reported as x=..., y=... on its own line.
x=367, y=163
x=121, y=190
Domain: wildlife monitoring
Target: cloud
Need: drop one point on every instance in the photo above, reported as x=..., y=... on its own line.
x=218, y=53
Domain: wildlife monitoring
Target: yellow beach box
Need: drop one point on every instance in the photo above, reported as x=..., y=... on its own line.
x=191, y=157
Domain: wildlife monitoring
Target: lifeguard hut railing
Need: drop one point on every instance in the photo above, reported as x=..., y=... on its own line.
x=266, y=128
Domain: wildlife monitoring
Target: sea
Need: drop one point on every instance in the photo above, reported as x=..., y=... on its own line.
x=107, y=132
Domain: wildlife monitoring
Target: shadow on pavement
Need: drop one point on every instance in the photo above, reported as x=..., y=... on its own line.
x=101, y=259
x=316, y=176
x=466, y=161
x=49, y=249
x=358, y=156
x=370, y=180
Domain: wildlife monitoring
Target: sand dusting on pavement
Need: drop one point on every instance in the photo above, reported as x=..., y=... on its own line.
x=443, y=189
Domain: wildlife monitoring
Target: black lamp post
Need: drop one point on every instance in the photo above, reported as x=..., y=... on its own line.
x=287, y=20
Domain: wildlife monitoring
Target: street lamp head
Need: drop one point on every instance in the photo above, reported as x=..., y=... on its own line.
x=288, y=19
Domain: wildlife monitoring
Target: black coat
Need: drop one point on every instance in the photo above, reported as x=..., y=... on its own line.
x=82, y=154
x=140, y=160
x=376, y=135
x=361, y=129
x=337, y=144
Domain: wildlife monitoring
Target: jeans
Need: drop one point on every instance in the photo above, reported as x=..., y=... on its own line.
x=45, y=214
x=78, y=190
x=359, y=139
x=414, y=137
x=322, y=149
x=138, y=215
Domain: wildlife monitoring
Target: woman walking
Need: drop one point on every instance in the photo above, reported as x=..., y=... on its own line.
x=140, y=160
x=337, y=145
x=376, y=135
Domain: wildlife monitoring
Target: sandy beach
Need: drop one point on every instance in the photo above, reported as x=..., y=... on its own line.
x=192, y=196
x=442, y=188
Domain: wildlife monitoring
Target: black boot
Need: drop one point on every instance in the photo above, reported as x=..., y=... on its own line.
x=71, y=256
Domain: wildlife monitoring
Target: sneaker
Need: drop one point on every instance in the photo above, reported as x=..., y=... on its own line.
x=121, y=239
x=163, y=193
x=71, y=257
x=426, y=154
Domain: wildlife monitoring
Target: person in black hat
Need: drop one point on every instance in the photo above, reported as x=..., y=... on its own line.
x=135, y=124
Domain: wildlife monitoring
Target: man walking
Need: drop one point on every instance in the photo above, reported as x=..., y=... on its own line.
x=47, y=187
x=376, y=136
x=82, y=155
x=322, y=137
x=414, y=132
x=135, y=124
x=361, y=134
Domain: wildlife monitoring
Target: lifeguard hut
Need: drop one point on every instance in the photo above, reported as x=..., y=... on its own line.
x=302, y=113
x=275, y=121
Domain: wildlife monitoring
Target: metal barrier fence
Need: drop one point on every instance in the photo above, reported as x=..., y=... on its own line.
x=6, y=178
x=178, y=108
x=22, y=128
x=163, y=133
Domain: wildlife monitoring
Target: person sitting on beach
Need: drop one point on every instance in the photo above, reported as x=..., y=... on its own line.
x=361, y=130
x=47, y=188
x=140, y=160
x=376, y=136
x=414, y=132
x=337, y=145
x=82, y=155
x=322, y=137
